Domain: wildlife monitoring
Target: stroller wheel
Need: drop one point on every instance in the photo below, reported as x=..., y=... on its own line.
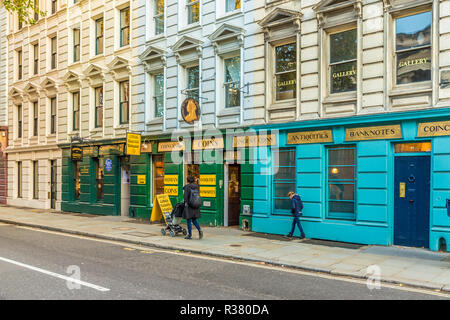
x=163, y=232
x=184, y=232
x=171, y=233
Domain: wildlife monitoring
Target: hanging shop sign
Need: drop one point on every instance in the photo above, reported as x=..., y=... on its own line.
x=170, y=146
x=146, y=147
x=76, y=153
x=161, y=205
x=133, y=144
x=310, y=137
x=171, y=179
x=190, y=110
x=108, y=165
x=207, y=192
x=434, y=129
x=254, y=141
x=171, y=190
x=204, y=144
x=141, y=179
x=208, y=179
x=374, y=133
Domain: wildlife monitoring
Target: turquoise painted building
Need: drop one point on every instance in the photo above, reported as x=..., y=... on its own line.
x=378, y=179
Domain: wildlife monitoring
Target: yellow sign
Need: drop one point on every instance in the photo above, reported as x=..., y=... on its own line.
x=343, y=74
x=141, y=179
x=310, y=137
x=434, y=129
x=374, y=133
x=171, y=179
x=171, y=190
x=170, y=146
x=254, y=141
x=402, y=190
x=161, y=205
x=207, y=192
x=213, y=143
x=133, y=144
x=412, y=62
x=208, y=179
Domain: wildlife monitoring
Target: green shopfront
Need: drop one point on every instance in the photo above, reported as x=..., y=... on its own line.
x=381, y=180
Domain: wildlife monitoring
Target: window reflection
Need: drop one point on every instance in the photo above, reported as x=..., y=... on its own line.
x=343, y=54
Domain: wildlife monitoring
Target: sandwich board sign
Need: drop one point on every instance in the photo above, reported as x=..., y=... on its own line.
x=161, y=205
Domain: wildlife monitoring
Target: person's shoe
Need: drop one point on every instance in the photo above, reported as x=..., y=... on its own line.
x=200, y=234
x=289, y=235
x=188, y=237
x=302, y=237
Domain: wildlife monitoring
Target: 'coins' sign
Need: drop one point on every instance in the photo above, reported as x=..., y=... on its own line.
x=213, y=143
x=374, y=133
x=171, y=190
x=434, y=129
x=310, y=137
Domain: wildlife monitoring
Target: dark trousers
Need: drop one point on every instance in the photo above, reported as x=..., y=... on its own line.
x=189, y=225
x=297, y=222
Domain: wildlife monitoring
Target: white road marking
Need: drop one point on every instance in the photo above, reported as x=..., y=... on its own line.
x=56, y=275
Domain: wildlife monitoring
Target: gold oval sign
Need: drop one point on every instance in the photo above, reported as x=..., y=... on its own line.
x=190, y=110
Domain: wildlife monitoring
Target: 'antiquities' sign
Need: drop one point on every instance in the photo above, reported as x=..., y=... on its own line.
x=374, y=133
x=310, y=137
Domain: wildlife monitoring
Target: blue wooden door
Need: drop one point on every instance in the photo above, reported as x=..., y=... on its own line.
x=412, y=201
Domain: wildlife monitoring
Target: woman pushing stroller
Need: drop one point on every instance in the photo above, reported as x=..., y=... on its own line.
x=191, y=210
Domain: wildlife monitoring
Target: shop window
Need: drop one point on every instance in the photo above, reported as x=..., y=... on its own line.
x=341, y=182
x=100, y=175
x=232, y=82
x=158, y=174
x=286, y=71
x=343, y=56
x=192, y=168
x=283, y=178
x=413, y=48
x=76, y=179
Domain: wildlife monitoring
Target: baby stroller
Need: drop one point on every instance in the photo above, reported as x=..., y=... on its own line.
x=172, y=220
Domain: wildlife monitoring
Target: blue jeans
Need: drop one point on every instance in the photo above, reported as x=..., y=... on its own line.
x=297, y=222
x=189, y=225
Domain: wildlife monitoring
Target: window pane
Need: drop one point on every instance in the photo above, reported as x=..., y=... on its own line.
x=343, y=46
x=341, y=173
x=282, y=189
x=413, y=31
x=341, y=191
x=413, y=147
x=414, y=66
x=286, y=86
x=283, y=204
x=193, y=78
x=285, y=173
x=286, y=58
x=193, y=11
x=232, y=81
x=343, y=77
x=159, y=95
x=286, y=158
x=338, y=156
x=233, y=5
x=344, y=207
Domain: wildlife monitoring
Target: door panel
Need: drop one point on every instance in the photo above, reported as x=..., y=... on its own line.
x=412, y=201
x=234, y=194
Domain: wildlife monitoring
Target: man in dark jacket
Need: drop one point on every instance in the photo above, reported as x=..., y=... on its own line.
x=189, y=213
x=297, y=207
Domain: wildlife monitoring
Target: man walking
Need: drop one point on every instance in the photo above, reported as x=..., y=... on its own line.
x=297, y=207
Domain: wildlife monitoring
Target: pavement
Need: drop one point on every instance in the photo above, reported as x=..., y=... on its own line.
x=414, y=267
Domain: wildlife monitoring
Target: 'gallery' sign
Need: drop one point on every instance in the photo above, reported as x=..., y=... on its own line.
x=374, y=133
